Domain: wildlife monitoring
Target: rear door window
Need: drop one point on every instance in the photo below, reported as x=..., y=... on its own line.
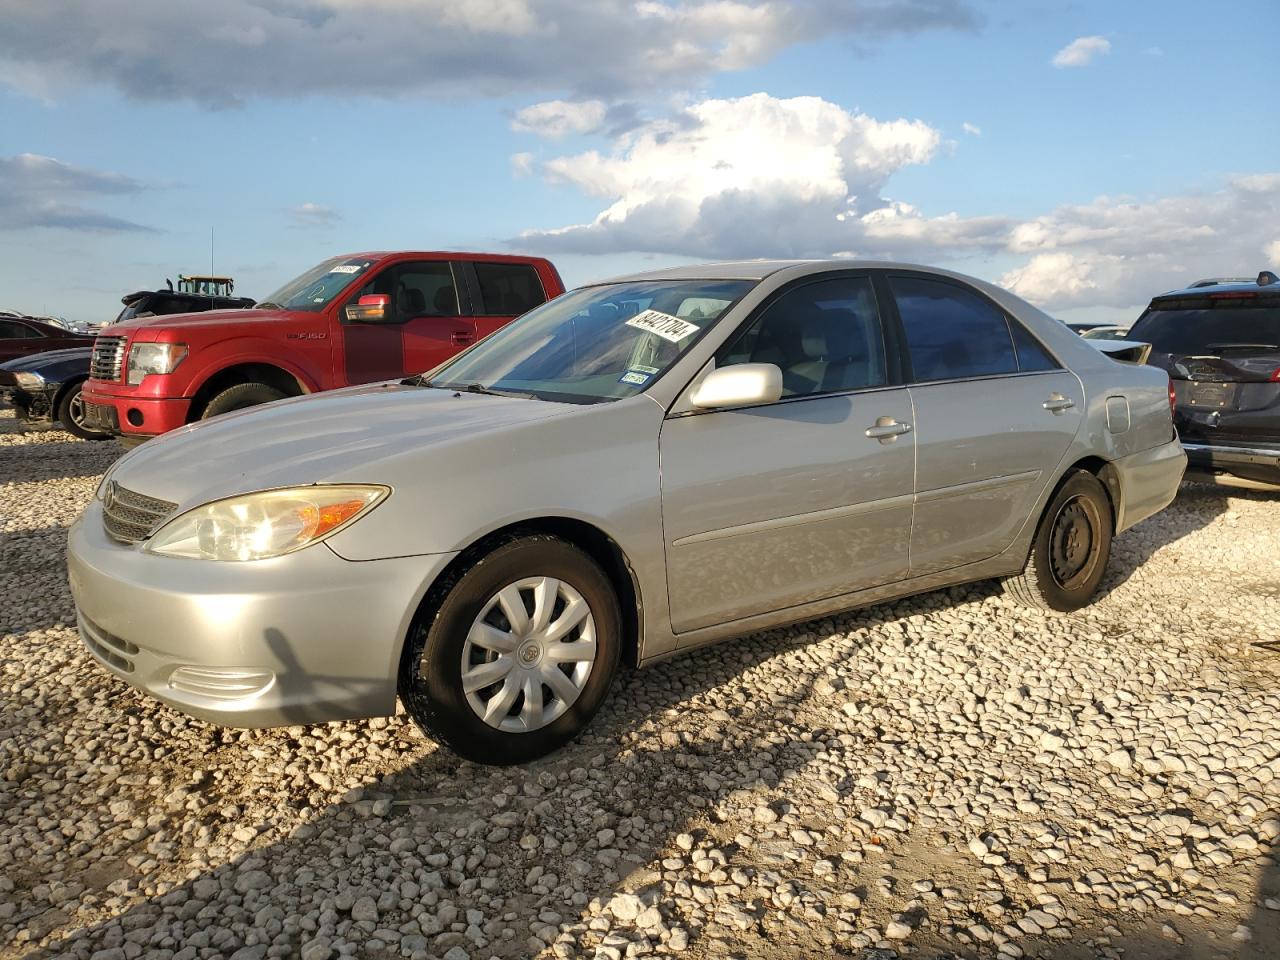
x=508, y=289
x=952, y=332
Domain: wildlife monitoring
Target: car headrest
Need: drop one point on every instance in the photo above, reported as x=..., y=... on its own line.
x=446, y=301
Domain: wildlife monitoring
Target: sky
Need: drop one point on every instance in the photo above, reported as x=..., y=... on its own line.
x=1086, y=155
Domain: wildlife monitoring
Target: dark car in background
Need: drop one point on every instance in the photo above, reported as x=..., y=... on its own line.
x=24, y=336
x=46, y=388
x=160, y=303
x=1219, y=341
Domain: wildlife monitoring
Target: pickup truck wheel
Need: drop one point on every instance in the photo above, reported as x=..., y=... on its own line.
x=516, y=654
x=1070, y=552
x=71, y=415
x=240, y=396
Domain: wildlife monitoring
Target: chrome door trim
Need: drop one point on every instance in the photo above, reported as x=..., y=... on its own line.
x=816, y=516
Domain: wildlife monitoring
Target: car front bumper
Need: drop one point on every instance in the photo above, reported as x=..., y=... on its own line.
x=303, y=638
x=33, y=407
x=129, y=416
x=1254, y=464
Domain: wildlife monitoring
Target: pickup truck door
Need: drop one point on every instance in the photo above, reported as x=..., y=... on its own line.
x=422, y=329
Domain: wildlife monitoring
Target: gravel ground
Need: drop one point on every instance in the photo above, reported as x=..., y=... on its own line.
x=945, y=776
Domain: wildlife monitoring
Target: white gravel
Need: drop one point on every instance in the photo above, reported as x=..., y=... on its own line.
x=944, y=776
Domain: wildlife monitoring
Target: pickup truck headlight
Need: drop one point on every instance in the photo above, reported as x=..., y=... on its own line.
x=145, y=358
x=29, y=381
x=257, y=526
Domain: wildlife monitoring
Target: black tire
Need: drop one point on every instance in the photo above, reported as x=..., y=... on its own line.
x=430, y=680
x=1071, y=548
x=71, y=415
x=239, y=397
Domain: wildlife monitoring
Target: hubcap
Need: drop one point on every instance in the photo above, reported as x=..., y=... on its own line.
x=1073, y=542
x=528, y=654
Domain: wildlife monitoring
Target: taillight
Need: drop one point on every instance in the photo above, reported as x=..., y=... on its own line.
x=1173, y=397
x=1275, y=376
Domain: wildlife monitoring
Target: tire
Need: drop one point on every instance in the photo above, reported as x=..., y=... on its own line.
x=71, y=415
x=239, y=397
x=466, y=607
x=1071, y=548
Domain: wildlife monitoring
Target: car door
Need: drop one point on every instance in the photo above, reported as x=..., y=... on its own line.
x=18, y=339
x=422, y=327
x=994, y=414
x=771, y=506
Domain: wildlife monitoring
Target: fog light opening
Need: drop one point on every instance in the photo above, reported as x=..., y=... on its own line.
x=134, y=417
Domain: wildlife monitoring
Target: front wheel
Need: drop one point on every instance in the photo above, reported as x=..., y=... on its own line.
x=71, y=415
x=1070, y=552
x=517, y=657
x=239, y=397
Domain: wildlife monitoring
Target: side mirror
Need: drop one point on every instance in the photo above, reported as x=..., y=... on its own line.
x=371, y=308
x=741, y=385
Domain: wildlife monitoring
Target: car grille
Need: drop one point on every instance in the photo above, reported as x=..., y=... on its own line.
x=131, y=517
x=107, y=358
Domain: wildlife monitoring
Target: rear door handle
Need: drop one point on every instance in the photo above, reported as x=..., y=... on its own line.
x=462, y=337
x=1058, y=404
x=887, y=429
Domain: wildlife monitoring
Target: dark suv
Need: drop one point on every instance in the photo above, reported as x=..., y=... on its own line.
x=1219, y=340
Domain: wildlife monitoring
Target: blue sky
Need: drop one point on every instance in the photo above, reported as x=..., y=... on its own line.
x=938, y=131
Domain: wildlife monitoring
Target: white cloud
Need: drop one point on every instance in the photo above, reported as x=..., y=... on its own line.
x=1272, y=252
x=754, y=175
x=557, y=118
x=763, y=177
x=313, y=215
x=281, y=48
x=972, y=129
x=1081, y=51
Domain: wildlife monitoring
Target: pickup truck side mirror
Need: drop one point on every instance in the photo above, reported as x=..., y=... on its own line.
x=371, y=308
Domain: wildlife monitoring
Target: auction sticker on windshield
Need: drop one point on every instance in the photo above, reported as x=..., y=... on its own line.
x=348, y=268
x=663, y=325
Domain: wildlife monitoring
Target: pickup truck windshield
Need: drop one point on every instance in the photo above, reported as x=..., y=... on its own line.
x=313, y=290
x=595, y=344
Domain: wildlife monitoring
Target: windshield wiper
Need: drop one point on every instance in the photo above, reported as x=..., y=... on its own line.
x=478, y=388
x=267, y=305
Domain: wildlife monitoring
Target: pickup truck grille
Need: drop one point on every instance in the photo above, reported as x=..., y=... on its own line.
x=130, y=517
x=107, y=359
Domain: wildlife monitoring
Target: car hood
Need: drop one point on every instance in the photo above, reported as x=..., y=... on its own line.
x=338, y=436
x=35, y=361
x=207, y=318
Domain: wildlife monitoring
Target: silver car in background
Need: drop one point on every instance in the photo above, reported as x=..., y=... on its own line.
x=634, y=469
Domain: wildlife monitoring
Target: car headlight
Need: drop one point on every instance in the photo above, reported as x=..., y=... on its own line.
x=29, y=381
x=146, y=358
x=257, y=526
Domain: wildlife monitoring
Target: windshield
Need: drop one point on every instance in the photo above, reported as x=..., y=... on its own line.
x=313, y=290
x=595, y=344
x=1208, y=330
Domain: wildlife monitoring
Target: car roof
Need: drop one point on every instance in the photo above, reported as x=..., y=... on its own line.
x=1213, y=288
x=759, y=269
x=452, y=254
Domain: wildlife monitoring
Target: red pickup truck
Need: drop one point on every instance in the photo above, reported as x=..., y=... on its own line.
x=351, y=319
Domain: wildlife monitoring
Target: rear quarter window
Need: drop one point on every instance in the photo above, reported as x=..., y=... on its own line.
x=508, y=289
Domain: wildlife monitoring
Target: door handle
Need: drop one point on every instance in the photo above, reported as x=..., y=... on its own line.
x=462, y=337
x=1057, y=404
x=887, y=429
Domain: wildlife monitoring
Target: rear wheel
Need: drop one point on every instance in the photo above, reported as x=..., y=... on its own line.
x=517, y=655
x=1070, y=552
x=239, y=397
x=71, y=415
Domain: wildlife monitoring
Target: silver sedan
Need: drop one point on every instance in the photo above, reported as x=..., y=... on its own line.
x=634, y=469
